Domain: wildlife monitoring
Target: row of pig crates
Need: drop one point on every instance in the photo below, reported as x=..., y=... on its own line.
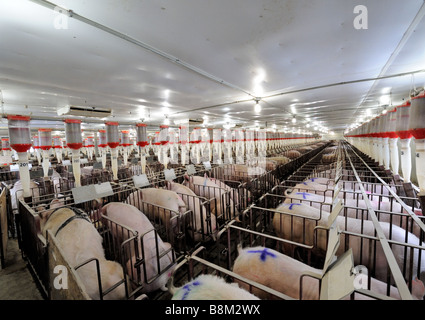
x=184, y=231
x=381, y=231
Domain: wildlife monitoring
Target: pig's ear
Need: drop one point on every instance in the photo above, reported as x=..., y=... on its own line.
x=418, y=212
x=44, y=214
x=239, y=247
x=186, y=177
x=418, y=288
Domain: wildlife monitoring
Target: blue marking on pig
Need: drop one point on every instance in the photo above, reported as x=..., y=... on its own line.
x=305, y=183
x=188, y=287
x=312, y=179
x=304, y=194
x=264, y=254
x=293, y=204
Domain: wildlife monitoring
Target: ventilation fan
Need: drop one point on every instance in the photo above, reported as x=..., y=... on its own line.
x=84, y=112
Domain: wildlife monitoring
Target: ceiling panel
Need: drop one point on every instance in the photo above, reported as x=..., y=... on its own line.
x=200, y=58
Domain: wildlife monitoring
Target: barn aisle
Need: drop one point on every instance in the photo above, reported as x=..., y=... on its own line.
x=16, y=282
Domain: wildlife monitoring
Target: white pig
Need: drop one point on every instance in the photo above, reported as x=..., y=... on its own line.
x=210, y=287
x=234, y=193
x=280, y=160
x=292, y=154
x=199, y=211
x=302, y=232
x=169, y=206
x=80, y=241
x=206, y=187
x=321, y=180
x=129, y=216
x=351, y=204
x=313, y=184
x=282, y=273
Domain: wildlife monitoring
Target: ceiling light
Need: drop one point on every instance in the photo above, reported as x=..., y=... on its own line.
x=384, y=100
x=166, y=120
x=294, y=120
x=257, y=107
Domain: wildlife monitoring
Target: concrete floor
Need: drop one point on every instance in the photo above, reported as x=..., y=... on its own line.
x=16, y=281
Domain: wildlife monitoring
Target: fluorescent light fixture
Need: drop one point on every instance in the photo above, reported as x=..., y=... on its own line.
x=384, y=100
x=257, y=107
x=166, y=120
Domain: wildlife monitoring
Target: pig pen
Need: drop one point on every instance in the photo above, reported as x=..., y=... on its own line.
x=35, y=248
x=364, y=183
x=388, y=207
x=122, y=189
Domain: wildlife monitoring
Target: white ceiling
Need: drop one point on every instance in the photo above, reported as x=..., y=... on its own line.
x=209, y=58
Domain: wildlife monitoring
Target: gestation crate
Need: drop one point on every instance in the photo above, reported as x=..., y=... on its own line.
x=35, y=247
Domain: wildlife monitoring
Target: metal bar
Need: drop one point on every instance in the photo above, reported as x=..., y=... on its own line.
x=395, y=270
x=397, y=198
x=243, y=279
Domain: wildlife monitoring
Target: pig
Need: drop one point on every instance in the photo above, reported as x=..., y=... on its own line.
x=129, y=216
x=210, y=287
x=280, y=159
x=304, y=149
x=320, y=180
x=292, y=154
x=170, y=206
x=303, y=232
x=79, y=241
x=329, y=158
x=323, y=184
x=241, y=172
x=282, y=273
x=206, y=187
x=241, y=200
x=199, y=211
x=271, y=165
x=351, y=204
